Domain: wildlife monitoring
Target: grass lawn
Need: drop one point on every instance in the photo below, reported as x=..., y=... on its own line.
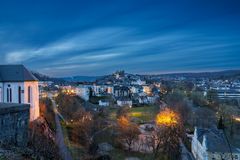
x=145, y=113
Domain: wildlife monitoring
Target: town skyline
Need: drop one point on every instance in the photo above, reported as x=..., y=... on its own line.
x=142, y=74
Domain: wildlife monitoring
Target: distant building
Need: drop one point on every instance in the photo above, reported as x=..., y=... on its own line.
x=228, y=94
x=45, y=83
x=124, y=102
x=99, y=90
x=104, y=103
x=18, y=85
x=211, y=144
x=147, y=89
x=83, y=92
x=96, y=90
x=110, y=89
x=142, y=100
x=152, y=99
x=68, y=90
x=121, y=91
x=138, y=82
x=136, y=89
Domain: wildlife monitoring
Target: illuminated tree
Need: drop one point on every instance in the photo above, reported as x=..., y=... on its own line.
x=166, y=137
x=128, y=132
x=167, y=118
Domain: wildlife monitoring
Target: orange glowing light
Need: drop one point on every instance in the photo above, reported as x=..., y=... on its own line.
x=167, y=117
x=123, y=121
x=237, y=119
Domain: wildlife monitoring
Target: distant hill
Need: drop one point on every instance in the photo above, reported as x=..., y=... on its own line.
x=42, y=77
x=228, y=74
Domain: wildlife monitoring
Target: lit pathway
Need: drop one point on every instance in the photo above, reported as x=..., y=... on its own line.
x=64, y=152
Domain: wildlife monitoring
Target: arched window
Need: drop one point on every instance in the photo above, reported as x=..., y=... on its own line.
x=19, y=94
x=29, y=94
x=9, y=94
x=1, y=94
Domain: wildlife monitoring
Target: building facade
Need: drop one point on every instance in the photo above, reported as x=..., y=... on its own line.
x=83, y=92
x=18, y=85
x=211, y=144
x=121, y=102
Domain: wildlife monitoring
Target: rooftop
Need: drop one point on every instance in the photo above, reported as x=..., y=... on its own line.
x=215, y=140
x=15, y=73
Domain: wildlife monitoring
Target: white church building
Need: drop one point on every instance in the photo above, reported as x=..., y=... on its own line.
x=18, y=85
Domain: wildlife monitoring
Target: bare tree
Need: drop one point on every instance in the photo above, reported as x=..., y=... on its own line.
x=128, y=131
x=82, y=127
x=165, y=139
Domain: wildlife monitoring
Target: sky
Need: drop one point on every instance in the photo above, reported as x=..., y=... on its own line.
x=86, y=37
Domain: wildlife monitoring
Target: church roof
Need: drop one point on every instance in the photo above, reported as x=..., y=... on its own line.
x=15, y=73
x=215, y=140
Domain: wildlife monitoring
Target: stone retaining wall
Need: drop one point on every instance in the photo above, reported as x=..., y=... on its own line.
x=14, y=123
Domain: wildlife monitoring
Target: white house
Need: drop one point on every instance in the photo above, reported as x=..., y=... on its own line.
x=18, y=85
x=142, y=100
x=102, y=89
x=124, y=102
x=96, y=90
x=152, y=99
x=83, y=92
x=211, y=144
x=103, y=103
x=136, y=89
x=138, y=82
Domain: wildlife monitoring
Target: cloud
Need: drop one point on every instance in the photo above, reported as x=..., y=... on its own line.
x=77, y=42
x=102, y=50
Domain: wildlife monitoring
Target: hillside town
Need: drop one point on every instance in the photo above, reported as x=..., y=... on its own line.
x=121, y=89
x=203, y=105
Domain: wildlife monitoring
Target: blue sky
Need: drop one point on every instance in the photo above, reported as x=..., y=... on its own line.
x=64, y=38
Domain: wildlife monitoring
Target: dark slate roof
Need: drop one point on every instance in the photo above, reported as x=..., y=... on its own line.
x=123, y=88
x=216, y=140
x=15, y=73
x=124, y=99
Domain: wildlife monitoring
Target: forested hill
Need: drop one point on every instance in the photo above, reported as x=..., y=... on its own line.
x=228, y=74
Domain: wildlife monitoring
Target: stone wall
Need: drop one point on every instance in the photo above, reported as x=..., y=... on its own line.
x=14, y=123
